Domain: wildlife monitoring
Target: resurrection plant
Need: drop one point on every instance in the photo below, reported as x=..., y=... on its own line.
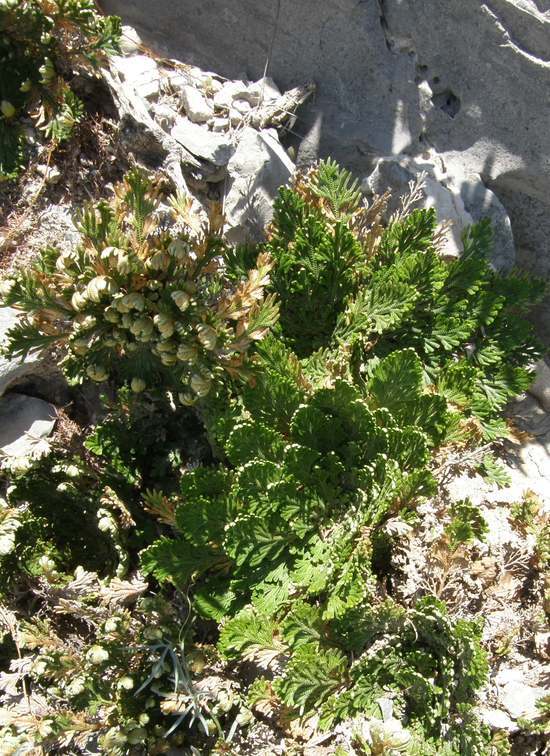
x=143, y=299
x=353, y=289
x=272, y=563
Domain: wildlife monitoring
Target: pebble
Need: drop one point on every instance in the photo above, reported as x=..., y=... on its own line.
x=198, y=109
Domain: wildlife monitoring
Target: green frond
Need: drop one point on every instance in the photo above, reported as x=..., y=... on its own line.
x=251, y=634
x=311, y=676
x=337, y=187
x=494, y=471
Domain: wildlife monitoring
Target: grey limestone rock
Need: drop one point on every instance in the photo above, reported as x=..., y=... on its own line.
x=541, y=386
x=24, y=422
x=207, y=145
x=140, y=72
x=258, y=168
x=516, y=694
x=457, y=198
x=12, y=370
x=396, y=174
x=197, y=107
x=130, y=42
x=465, y=79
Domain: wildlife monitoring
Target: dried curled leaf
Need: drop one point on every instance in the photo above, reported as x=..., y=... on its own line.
x=124, y=591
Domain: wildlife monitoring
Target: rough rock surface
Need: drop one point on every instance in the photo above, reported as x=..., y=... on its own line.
x=518, y=698
x=207, y=145
x=399, y=173
x=530, y=466
x=139, y=72
x=24, y=422
x=255, y=172
x=12, y=370
x=458, y=199
x=195, y=104
x=468, y=80
x=130, y=42
x=541, y=387
x=371, y=58
x=216, y=139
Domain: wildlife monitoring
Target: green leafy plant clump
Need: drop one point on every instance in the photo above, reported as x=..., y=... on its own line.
x=337, y=438
x=141, y=303
x=109, y=659
x=366, y=359
x=279, y=550
x=354, y=290
x=42, y=43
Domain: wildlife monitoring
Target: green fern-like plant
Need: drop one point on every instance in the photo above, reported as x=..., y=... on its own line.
x=383, y=355
x=278, y=547
x=352, y=291
x=337, y=188
x=312, y=258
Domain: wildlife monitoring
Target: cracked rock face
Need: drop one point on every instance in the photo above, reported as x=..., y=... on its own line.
x=469, y=82
x=255, y=172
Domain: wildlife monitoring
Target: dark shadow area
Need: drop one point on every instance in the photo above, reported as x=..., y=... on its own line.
x=448, y=102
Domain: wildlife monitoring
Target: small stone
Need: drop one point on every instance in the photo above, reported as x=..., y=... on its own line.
x=425, y=90
x=235, y=117
x=518, y=698
x=497, y=720
x=262, y=91
x=242, y=106
x=165, y=116
x=50, y=173
x=541, y=387
x=521, y=700
x=130, y=42
x=213, y=85
x=140, y=72
x=24, y=422
x=174, y=81
x=480, y=202
x=219, y=124
x=230, y=91
x=196, y=106
x=216, y=148
x=542, y=644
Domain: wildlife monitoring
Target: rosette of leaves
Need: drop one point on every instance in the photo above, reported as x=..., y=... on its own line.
x=42, y=44
x=139, y=302
x=304, y=463
x=278, y=547
x=352, y=289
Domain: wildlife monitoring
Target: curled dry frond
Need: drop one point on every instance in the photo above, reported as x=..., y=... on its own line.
x=142, y=302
